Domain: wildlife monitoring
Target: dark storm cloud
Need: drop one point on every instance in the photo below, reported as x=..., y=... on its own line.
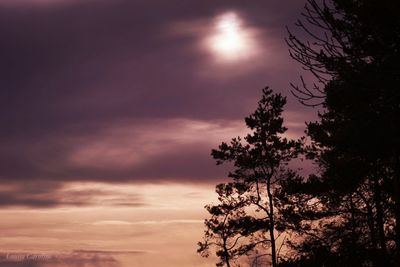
x=71, y=69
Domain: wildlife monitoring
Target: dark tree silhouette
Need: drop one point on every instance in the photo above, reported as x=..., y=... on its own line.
x=247, y=205
x=354, y=53
x=230, y=230
x=348, y=214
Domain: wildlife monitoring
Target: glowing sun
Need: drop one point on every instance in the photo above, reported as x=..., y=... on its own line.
x=230, y=40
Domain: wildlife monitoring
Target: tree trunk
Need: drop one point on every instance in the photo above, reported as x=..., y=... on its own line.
x=271, y=224
x=371, y=226
x=226, y=251
x=353, y=227
x=397, y=208
x=380, y=220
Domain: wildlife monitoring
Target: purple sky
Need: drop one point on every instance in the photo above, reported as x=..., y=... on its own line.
x=76, y=72
x=109, y=110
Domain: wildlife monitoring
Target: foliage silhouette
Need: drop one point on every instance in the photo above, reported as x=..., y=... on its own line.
x=347, y=214
x=245, y=222
x=356, y=140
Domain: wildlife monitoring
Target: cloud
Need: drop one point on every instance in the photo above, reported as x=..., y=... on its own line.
x=153, y=222
x=113, y=61
x=102, y=91
x=138, y=151
x=55, y=194
x=78, y=258
x=107, y=252
x=113, y=222
x=125, y=152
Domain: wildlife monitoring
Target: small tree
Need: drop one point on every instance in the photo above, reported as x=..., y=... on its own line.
x=259, y=162
x=228, y=226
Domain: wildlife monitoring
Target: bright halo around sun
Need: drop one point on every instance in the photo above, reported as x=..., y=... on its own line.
x=230, y=40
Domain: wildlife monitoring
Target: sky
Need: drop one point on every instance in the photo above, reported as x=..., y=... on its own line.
x=109, y=110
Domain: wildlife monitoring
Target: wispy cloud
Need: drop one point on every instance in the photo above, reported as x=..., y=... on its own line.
x=75, y=259
x=54, y=194
x=151, y=222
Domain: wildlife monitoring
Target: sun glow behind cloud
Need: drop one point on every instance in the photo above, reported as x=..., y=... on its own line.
x=230, y=39
x=125, y=102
